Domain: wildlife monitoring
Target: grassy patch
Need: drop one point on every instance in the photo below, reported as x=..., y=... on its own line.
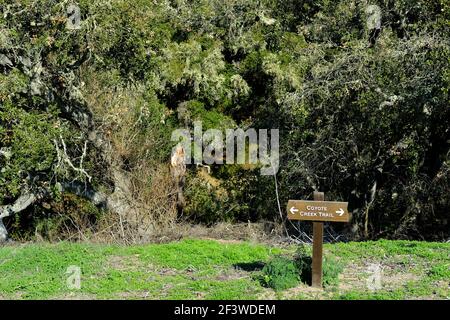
x=207, y=269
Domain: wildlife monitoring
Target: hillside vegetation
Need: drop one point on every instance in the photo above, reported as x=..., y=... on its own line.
x=86, y=114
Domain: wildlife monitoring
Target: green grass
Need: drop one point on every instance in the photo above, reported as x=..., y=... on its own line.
x=207, y=269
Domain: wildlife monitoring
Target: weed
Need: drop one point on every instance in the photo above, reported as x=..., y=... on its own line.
x=280, y=273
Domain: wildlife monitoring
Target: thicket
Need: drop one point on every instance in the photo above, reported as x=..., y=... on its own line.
x=87, y=113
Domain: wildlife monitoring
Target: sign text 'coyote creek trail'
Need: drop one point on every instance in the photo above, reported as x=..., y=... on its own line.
x=318, y=210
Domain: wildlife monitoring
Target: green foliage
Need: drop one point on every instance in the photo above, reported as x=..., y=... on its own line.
x=205, y=203
x=440, y=271
x=280, y=273
x=331, y=270
x=364, y=122
x=378, y=113
x=210, y=119
x=29, y=138
x=65, y=216
x=38, y=88
x=303, y=262
x=331, y=267
x=235, y=193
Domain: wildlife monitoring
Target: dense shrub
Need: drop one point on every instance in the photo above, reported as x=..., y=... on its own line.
x=282, y=273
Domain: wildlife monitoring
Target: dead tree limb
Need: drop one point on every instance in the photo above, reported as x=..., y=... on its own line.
x=23, y=202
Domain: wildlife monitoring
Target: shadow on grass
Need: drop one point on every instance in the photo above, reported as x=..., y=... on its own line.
x=250, y=266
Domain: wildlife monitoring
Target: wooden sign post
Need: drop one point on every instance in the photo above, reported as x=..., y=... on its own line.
x=317, y=246
x=318, y=211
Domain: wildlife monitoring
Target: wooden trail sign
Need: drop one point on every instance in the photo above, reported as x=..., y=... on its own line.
x=318, y=211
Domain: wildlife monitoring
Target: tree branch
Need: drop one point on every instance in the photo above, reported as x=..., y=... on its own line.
x=23, y=202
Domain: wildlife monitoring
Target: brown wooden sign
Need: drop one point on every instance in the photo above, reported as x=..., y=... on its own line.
x=318, y=210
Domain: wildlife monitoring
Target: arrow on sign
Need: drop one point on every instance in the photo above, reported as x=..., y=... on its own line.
x=293, y=210
x=340, y=212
